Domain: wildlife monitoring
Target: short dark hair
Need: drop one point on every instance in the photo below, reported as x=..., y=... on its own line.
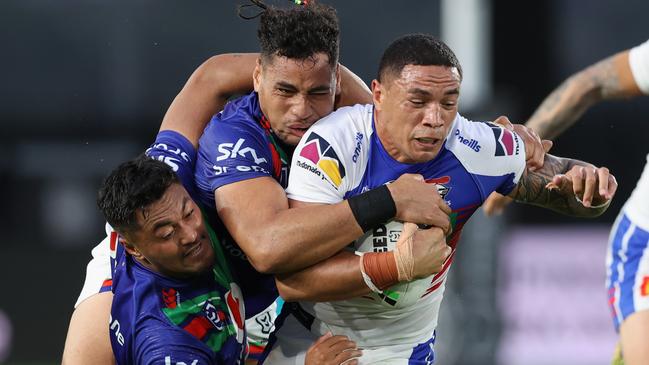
x=299, y=32
x=416, y=49
x=132, y=185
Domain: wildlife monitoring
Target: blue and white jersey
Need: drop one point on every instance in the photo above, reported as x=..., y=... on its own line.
x=342, y=156
x=238, y=145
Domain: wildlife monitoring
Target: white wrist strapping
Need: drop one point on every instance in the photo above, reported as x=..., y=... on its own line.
x=366, y=278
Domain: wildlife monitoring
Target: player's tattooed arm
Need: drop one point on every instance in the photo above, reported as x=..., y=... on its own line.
x=607, y=79
x=567, y=186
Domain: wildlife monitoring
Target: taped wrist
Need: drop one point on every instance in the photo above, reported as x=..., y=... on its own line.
x=379, y=270
x=373, y=207
x=405, y=260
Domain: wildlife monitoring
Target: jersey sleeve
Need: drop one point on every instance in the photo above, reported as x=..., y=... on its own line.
x=321, y=169
x=157, y=343
x=230, y=152
x=176, y=151
x=639, y=63
x=494, y=156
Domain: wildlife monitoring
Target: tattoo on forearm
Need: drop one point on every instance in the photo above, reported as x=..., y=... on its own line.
x=574, y=96
x=532, y=186
x=532, y=189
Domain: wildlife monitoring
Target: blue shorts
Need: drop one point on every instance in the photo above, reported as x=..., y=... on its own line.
x=627, y=273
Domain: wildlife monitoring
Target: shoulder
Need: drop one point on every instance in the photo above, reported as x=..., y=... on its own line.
x=326, y=162
x=341, y=135
x=485, y=148
x=340, y=123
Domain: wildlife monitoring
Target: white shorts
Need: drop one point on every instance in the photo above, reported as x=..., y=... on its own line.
x=627, y=272
x=98, y=272
x=293, y=340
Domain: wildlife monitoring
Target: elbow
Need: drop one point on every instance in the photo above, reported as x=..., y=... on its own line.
x=265, y=259
x=288, y=293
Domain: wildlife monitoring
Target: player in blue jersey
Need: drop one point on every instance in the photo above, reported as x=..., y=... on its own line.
x=87, y=340
x=287, y=83
x=412, y=127
x=175, y=300
x=243, y=158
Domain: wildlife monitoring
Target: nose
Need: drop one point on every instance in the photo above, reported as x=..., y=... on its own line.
x=189, y=231
x=301, y=108
x=433, y=116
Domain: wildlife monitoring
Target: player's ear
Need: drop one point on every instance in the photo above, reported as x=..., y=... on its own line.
x=130, y=249
x=256, y=74
x=377, y=94
x=338, y=79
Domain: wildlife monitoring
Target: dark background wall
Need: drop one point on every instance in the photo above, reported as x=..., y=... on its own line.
x=84, y=86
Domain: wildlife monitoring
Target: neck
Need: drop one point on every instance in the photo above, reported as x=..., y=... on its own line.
x=386, y=139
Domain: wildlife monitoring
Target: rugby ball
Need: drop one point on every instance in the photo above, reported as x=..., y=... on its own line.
x=384, y=238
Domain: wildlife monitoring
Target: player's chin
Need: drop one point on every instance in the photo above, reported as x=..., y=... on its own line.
x=292, y=137
x=202, y=258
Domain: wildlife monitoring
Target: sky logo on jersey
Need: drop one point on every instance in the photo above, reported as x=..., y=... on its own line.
x=319, y=151
x=506, y=142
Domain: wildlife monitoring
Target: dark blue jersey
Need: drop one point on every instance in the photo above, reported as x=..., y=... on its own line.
x=161, y=320
x=238, y=145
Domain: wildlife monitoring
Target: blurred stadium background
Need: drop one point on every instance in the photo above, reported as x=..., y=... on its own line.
x=85, y=84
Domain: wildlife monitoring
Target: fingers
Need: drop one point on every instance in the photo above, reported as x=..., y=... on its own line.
x=344, y=344
x=504, y=122
x=589, y=186
x=330, y=349
x=612, y=186
x=577, y=180
x=322, y=339
x=547, y=145
x=408, y=230
x=603, y=178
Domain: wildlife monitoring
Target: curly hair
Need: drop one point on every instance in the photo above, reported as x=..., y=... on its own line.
x=416, y=49
x=132, y=185
x=299, y=32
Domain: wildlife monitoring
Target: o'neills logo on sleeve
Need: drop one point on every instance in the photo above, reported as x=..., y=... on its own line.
x=319, y=151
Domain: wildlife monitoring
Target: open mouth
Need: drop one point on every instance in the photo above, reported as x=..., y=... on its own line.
x=427, y=142
x=195, y=250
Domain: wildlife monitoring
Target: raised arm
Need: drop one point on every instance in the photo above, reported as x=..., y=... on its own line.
x=207, y=91
x=567, y=186
x=608, y=79
x=226, y=75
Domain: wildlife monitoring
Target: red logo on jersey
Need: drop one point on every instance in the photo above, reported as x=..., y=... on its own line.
x=170, y=297
x=441, y=188
x=644, y=288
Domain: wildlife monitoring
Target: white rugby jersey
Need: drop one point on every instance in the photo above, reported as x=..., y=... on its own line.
x=637, y=207
x=341, y=156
